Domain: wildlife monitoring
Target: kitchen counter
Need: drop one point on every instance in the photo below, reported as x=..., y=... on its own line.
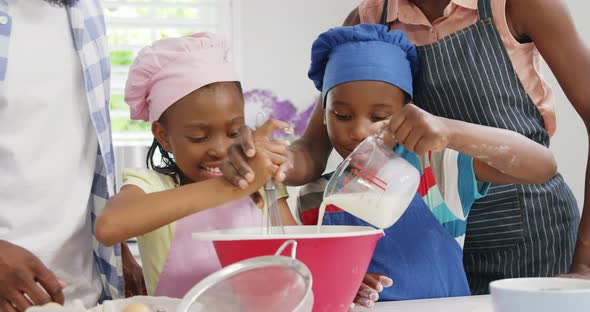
x=456, y=304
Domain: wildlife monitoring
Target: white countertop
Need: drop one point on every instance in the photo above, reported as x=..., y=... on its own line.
x=456, y=304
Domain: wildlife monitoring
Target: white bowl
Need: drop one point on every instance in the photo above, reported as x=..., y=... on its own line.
x=541, y=295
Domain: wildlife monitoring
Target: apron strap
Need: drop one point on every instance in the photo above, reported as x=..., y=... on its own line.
x=383, y=20
x=484, y=9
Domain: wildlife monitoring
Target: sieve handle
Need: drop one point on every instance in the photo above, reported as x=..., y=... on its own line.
x=293, y=244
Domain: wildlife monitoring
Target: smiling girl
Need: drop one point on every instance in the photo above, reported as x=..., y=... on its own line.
x=190, y=92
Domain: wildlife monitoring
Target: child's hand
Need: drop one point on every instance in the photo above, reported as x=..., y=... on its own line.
x=419, y=131
x=274, y=152
x=369, y=291
x=263, y=133
x=237, y=169
x=267, y=161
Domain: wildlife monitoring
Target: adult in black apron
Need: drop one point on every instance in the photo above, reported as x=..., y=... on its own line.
x=516, y=230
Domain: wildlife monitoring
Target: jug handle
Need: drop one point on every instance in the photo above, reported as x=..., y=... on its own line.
x=379, y=134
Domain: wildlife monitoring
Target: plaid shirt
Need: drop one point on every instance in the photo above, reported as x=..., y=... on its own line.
x=89, y=35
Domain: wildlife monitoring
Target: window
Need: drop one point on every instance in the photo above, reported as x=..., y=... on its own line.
x=134, y=24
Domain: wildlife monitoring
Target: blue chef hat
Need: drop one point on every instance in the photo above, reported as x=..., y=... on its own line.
x=362, y=52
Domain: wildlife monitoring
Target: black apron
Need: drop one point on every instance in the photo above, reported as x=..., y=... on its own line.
x=516, y=230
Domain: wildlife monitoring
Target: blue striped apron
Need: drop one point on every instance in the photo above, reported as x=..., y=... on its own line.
x=516, y=230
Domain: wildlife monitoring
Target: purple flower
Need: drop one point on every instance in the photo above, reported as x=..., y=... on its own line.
x=268, y=103
x=303, y=119
x=283, y=110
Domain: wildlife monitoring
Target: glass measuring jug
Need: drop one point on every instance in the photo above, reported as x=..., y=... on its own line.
x=373, y=183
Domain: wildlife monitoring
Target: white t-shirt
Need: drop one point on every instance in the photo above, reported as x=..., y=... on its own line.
x=48, y=148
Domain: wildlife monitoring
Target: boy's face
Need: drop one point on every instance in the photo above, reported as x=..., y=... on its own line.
x=354, y=110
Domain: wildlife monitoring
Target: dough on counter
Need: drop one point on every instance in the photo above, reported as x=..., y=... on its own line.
x=137, y=307
x=52, y=304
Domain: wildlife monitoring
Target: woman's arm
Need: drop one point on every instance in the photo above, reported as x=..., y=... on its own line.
x=550, y=26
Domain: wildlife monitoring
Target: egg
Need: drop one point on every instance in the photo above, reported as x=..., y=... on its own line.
x=137, y=307
x=52, y=304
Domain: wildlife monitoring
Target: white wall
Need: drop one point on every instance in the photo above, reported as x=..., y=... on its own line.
x=276, y=40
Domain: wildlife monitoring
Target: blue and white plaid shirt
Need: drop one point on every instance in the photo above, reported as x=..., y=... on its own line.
x=89, y=34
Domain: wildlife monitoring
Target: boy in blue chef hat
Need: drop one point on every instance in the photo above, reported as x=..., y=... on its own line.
x=365, y=75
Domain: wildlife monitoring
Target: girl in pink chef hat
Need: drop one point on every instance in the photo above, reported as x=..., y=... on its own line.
x=188, y=89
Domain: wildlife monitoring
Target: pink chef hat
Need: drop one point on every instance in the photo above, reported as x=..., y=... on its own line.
x=171, y=68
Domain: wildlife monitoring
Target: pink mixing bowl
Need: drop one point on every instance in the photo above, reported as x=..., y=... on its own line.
x=338, y=257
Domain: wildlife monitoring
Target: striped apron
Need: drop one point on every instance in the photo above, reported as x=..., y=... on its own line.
x=516, y=230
